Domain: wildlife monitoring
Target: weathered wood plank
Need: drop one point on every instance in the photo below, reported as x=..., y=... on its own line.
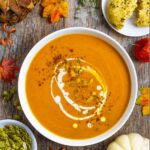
x=33, y=28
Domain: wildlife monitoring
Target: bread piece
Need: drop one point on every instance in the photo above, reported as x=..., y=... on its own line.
x=120, y=10
x=143, y=13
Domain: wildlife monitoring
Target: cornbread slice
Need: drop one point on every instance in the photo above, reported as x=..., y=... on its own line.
x=120, y=10
x=143, y=13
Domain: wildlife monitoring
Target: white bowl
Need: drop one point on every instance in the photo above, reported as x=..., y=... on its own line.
x=14, y=122
x=32, y=118
x=129, y=29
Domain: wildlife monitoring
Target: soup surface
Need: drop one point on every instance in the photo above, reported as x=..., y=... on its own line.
x=78, y=86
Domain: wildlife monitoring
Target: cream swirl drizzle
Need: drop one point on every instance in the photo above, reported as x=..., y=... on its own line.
x=82, y=109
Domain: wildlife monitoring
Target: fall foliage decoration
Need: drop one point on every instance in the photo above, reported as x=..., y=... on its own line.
x=7, y=40
x=142, y=50
x=144, y=100
x=7, y=65
x=54, y=9
x=13, y=11
x=8, y=68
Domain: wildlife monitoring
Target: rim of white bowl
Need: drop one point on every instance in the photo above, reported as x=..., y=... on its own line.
x=5, y=122
x=26, y=108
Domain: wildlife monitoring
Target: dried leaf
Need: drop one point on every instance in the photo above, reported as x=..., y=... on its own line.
x=55, y=9
x=15, y=7
x=12, y=30
x=3, y=42
x=50, y=148
x=62, y=148
x=144, y=100
x=4, y=5
x=146, y=110
x=4, y=27
x=55, y=17
x=26, y=4
x=8, y=68
x=6, y=41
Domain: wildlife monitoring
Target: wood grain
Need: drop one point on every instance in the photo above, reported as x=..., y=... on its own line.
x=34, y=27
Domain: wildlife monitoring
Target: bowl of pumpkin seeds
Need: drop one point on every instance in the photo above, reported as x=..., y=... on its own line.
x=15, y=135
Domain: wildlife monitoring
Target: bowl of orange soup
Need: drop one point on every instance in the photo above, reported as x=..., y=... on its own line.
x=77, y=86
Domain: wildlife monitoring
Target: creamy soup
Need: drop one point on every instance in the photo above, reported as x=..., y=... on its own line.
x=78, y=86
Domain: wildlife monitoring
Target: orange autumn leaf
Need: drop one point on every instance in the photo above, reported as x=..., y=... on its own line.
x=55, y=9
x=144, y=100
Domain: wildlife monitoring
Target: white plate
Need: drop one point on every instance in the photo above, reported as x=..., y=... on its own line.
x=129, y=29
x=14, y=122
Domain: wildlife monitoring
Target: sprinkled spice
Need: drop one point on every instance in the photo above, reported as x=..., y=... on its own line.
x=57, y=58
x=13, y=137
x=71, y=50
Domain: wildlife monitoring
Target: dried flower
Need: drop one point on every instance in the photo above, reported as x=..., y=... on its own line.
x=142, y=50
x=7, y=40
x=144, y=100
x=55, y=9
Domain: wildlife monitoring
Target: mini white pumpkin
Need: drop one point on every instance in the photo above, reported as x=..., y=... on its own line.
x=132, y=141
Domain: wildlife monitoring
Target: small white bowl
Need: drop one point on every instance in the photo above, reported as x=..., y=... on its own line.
x=18, y=123
x=22, y=89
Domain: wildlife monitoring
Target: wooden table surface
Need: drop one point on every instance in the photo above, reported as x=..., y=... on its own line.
x=34, y=27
